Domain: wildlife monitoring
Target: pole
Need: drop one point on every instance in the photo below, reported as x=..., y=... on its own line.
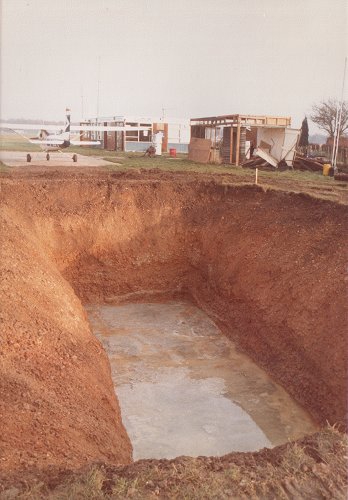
x=98, y=88
x=231, y=145
x=340, y=115
x=82, y=110
x=238, y=142
x=335, y=138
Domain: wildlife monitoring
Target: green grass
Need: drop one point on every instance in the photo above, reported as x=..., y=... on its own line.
x=16, y=142
x=3, y=167
x=128, y=160
x=313, y=183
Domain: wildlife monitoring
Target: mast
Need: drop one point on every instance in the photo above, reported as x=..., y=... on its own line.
x=338, y=121
x=98, y=88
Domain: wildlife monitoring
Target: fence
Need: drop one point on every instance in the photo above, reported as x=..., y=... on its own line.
x=325, y=151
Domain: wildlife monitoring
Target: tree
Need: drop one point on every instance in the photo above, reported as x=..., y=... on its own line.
x=324, y=115
x=303, y=141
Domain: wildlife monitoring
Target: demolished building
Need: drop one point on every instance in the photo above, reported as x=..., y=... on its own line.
x=232, y=139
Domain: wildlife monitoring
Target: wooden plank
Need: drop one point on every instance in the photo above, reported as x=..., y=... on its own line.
x=238, y=142
x=231, y=145
x=261, y=120
x=199, y=150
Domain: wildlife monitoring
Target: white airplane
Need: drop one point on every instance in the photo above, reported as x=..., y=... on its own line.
x=62, y=138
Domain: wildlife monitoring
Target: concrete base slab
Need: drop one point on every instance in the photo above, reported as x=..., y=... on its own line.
x=185, y=389
x=38, y=159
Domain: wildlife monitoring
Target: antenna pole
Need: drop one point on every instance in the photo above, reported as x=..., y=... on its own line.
x=98, y=88
x=340, y=117
x=335, y=136
x=82, y=110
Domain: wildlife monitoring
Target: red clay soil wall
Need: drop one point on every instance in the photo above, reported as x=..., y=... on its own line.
x=57, y=404
x=272, y=275
x=268, y=267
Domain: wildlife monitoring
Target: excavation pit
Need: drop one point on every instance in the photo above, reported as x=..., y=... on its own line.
x=184, y=389
x=266, y=266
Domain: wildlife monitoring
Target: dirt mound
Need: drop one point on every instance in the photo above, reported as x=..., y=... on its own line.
x=267, y=266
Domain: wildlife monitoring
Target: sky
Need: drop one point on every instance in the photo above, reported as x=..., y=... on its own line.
x=177, y=58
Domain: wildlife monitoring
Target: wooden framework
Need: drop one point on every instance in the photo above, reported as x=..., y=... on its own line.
x=239, y=122
x=244, y=120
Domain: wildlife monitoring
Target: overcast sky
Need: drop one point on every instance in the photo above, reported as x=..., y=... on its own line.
x=191, y=57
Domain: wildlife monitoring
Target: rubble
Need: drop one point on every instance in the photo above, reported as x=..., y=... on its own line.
x=303, y=163
x=257, y=162
x=300, y=163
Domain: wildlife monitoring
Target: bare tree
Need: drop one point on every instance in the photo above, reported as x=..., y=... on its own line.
x=324, y=115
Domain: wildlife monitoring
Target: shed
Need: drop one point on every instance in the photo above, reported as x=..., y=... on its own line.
x=231, y=139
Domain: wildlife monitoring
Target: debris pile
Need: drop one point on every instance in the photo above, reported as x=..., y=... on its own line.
x=257, y=162
x=300, y=163
x=313, y=164
x=260, y=163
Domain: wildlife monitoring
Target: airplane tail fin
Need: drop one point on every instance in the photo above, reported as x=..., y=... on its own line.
x=67, y=121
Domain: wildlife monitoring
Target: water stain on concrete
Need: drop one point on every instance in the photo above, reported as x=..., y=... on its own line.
x=183, y=387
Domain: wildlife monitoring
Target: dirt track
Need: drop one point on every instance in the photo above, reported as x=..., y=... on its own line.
x=267, y=266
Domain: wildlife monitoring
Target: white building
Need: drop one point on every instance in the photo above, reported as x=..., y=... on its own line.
x=176, y=133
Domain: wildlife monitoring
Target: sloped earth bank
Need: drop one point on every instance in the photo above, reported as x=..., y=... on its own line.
x=269, y=269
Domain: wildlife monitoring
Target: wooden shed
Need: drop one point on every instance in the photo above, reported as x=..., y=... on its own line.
x=230, y=138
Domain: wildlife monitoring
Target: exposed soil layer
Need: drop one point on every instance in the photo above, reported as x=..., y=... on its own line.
x=268, y=267
x=312, y=468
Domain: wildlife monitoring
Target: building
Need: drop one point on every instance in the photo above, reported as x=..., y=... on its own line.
x=176, y=133
x=233, y=138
